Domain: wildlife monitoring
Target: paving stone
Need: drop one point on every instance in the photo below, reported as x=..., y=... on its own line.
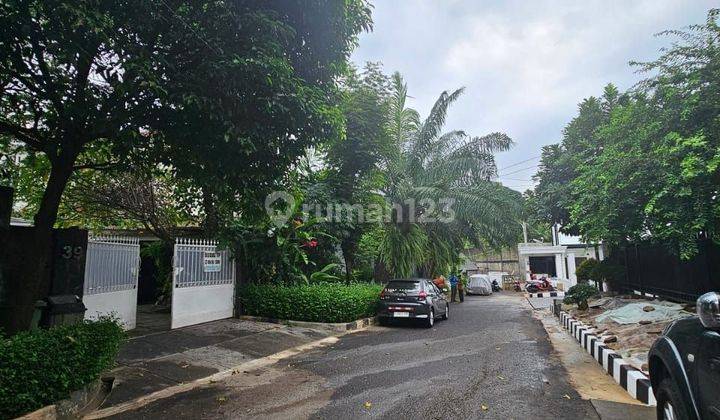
x=265, y=343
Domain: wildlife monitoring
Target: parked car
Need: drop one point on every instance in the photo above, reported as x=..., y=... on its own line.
x=479, y=284
x=684, y=364
x=413, y=299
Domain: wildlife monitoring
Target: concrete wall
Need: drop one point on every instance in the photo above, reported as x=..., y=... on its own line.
x=198, y=304
x=122, y=303
x=486, y=261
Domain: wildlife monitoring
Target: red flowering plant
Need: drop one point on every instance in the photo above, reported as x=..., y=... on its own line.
x=288, y=253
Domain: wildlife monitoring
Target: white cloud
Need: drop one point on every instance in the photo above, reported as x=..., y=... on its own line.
x=525, y=65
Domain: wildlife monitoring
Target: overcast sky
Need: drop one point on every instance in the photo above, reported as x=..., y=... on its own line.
x=525, y=64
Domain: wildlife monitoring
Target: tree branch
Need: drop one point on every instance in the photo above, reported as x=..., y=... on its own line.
x=97, y=166
x=29, y=137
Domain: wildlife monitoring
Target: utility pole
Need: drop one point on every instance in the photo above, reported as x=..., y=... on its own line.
x=524, y=226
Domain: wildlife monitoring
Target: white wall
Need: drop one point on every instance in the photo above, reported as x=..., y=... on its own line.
x=122, y=303
x=198, y=304
x=571, y=269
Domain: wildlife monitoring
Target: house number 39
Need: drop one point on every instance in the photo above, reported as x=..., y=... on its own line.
x=69, y=252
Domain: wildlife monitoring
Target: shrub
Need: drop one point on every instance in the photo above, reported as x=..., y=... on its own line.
x=40, y=367
x=585, y=270
x=609, y=272
x=323, y=302
x=579, y=294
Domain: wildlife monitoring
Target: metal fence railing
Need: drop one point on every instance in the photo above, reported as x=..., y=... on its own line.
x=199, y=262
x=653, y=269
x=112, y=263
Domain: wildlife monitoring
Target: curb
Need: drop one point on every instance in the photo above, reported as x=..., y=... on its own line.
x=633, y=380
x=545, y=294
x=337, y=327
x=188, y=386
x=84, y=400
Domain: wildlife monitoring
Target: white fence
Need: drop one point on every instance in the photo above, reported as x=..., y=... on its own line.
x=198, y=262
x=203, y=282
x=112, y=265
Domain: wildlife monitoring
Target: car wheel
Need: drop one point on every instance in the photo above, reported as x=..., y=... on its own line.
x=670, y=404
x=446, y=315
x=430, y=319
x=383, y=322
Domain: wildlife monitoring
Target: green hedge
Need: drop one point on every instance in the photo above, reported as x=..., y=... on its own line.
x=40, y=367
x=325, y=302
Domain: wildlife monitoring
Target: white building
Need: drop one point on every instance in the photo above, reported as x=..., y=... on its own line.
x=559, y=259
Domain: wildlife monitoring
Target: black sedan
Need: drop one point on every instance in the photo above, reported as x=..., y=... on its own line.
x=413, y=299
x=684, y=365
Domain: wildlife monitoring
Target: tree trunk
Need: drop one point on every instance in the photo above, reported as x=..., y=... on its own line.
x=31, y=282
x=60, y=172
x=348, y=250
x=380, y=272
x=212, y=216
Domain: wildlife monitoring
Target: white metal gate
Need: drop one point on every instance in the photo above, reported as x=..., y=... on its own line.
x=203, y=282
x=112, y=266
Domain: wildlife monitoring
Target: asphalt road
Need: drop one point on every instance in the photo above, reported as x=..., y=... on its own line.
x=491, y=359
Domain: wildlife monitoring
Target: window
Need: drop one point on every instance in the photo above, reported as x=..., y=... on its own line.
x=403, y=286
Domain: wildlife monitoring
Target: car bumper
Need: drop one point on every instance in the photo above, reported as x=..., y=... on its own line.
x=399, y=310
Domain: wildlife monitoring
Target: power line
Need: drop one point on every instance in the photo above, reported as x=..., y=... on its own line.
x=517, y=179
x=521, y=162
x=523, y=169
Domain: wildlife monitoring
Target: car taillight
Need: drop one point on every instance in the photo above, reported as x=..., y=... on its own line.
x=422, y=295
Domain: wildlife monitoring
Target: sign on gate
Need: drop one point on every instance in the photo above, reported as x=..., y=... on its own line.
x=203, y=282
x=212, y=262
x=112, y=265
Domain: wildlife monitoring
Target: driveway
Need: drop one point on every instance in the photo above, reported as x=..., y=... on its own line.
x=492, y=359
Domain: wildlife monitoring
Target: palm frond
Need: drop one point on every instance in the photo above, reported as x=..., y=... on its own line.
x=430, y=168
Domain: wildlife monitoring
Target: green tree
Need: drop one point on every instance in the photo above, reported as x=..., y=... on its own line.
x=559, y=163
x=353, y=174
x=644, y=166
x=226, y=93
x=444, y=176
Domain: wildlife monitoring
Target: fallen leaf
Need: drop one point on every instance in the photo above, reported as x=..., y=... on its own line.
x=484, y=407
x=221, y=399
x=502, y=378
x=566, y=396
x=367, y=404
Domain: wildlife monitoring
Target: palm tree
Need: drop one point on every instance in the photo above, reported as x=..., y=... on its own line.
x=446, y=176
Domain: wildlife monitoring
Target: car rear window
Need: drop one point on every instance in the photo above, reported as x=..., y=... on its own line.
x=403, y=286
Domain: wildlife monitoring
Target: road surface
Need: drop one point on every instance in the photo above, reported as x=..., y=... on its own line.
x=491, y=359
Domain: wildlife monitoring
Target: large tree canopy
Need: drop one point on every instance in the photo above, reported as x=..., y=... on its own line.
x=645, y=165
x=227, y=91
x=226, y=94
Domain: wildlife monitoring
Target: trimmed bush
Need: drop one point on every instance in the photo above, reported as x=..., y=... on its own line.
x=323, y=302
x=609, y=272
x=579, y=294
x=586, y=270
x=40, y=367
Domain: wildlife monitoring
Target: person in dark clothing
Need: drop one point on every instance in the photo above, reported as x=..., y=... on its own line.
x=461, y=288
x=453, y=287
